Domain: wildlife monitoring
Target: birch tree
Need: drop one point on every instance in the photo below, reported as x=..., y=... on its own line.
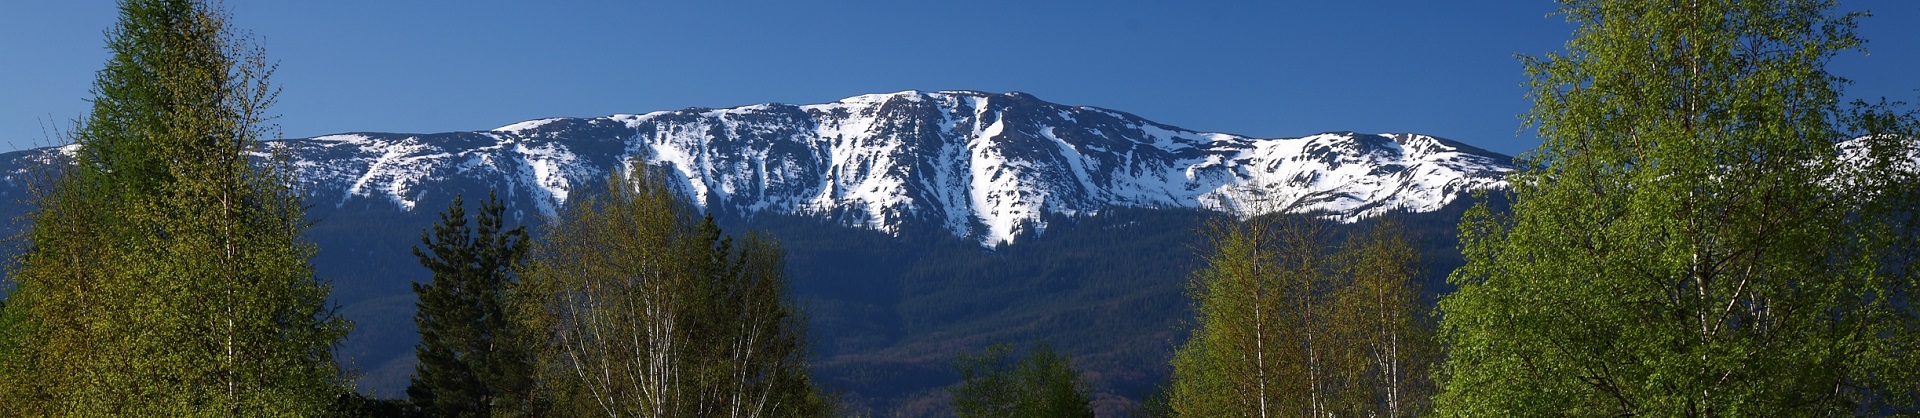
x=1687, y=241
x=1382, y=328
x=1290, y=322
x=653, y=312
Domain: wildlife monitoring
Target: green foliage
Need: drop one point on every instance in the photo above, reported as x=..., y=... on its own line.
x=1287, y=328
x=1382, y=340
x=1042, y=384
x=652, y=313
x=1686, y=241
x=165, y=274
x=473, y=360
x=1249, y=353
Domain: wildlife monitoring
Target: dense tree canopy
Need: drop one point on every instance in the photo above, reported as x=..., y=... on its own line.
x=1290, y=322
x=1687, y=241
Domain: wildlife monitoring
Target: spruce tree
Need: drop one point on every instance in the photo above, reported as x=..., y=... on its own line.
x=165, y=274
x=1687, y=241
x=472, y=363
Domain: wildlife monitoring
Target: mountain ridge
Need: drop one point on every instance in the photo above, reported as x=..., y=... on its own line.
x=979, y=165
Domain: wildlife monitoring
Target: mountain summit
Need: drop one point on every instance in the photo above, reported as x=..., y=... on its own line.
x=982, y=166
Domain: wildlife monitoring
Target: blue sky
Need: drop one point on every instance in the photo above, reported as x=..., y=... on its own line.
x=1268, y=68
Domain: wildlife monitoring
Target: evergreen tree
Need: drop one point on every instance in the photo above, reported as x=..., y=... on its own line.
x=651, y=312
x=1686, y=241
x=1042, y=384
x=165, y=274
x=472, y=363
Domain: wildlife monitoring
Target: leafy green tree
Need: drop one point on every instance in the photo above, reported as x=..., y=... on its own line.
x=1042, y=384
x=1380, y=329
x=165, y=274
x=1286, y=327
x=652, y=312
x=1251, y=352
x=1260, y=346
x=1687, y=241
x=472, y=359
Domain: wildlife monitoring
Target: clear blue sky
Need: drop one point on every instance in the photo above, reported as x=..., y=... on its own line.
x=1265, y=68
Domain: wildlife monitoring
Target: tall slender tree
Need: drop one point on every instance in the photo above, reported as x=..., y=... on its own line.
x=1286, y=327
x=473, y=362
x=1381, y=328
x=165, y=274
x=653, y=312
x=1687, y=241
x=1252, y=352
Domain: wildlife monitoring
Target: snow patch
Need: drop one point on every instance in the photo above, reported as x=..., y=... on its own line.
x=528, y=125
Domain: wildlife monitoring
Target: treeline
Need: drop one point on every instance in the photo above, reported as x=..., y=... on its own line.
x=627, y=305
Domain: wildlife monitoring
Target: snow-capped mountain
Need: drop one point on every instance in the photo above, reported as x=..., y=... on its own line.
x=979, y=165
